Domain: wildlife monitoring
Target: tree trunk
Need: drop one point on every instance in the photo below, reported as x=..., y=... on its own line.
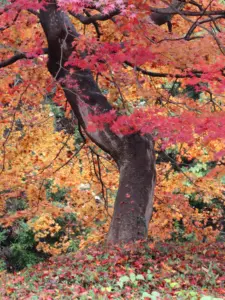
x=134, y=201
x=134, y=154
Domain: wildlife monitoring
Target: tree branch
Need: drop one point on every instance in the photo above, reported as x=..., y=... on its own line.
x=85, y=97
x=196, y=24
x=162, y=75
x=13, y=21
x=97, y=17
x=95, y=24
x=17, y=57
x=187, y=13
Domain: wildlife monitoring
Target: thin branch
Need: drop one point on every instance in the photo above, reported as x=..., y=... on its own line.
x=19, y=56
x=57, y=155
x=98, y=175
x=97, y=17
x=188, y=13
x=184, y=16
x=95, y=24
x=69, y=160
x=12, y=59
x=6, y=141
x=173, y=161
x=162, y=75
x=13, y=21
x=11, y=129
x=196, y=4
x=207, y=13
x=197, y=22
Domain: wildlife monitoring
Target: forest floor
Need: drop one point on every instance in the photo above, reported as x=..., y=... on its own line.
x=165, y=271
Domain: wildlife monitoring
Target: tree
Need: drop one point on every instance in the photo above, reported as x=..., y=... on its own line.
x=74, y=58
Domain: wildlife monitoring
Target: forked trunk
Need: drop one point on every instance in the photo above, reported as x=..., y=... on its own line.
x=134, y=154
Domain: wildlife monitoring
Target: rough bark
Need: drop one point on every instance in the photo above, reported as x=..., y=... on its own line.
x=134, y=202
x=134, y=154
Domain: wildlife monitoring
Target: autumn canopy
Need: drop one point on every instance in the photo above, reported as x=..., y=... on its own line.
x=100, y=98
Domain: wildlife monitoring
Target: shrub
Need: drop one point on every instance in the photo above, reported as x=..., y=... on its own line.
x=17, y=247
x=27, y=240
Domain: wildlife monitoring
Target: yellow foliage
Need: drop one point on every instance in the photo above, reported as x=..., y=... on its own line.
x=45, y=226
x=33, y=156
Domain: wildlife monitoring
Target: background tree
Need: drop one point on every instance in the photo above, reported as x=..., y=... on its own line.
x=124, y=53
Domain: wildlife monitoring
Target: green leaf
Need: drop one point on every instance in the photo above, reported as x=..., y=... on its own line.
x=146, y=295
x=132, y=277
x=120, y=284
x=3, y=236
x=155, y=295
x=34, y=298
x=210, y=298
x=90, y=257
x=223, y=179
x=174, y=285
x=149, y=276
x=124, y=279
x=140, y=277
x=106, y=289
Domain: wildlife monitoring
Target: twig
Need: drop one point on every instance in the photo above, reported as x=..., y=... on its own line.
x=69, y=160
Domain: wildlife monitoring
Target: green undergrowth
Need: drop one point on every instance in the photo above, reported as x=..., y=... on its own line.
x=165, y=271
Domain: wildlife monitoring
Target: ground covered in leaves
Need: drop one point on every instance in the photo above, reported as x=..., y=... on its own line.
x=165, y=271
